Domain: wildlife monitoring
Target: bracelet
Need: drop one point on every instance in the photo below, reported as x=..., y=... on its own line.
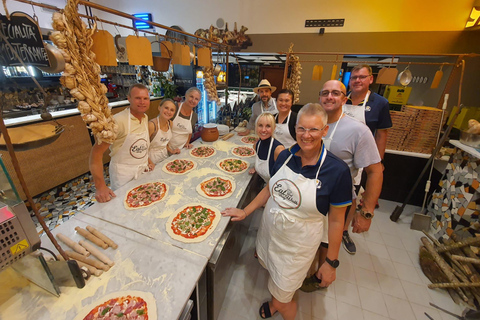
x=245, y=213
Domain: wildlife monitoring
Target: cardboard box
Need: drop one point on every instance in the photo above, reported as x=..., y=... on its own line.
x=397, y=94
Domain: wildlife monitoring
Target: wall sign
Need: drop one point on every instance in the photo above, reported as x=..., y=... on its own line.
x=24, y=35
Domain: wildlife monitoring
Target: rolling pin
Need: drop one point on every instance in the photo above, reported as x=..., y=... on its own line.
x=72, y=244
x=87, y=235
x=102, y=237
x=228, y=136
x=95, y=252
x=94, y=263
x=92, y=269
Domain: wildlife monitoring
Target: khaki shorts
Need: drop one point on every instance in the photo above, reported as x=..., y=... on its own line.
x=277, y=293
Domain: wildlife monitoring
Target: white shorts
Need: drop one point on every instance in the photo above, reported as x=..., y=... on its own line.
x=276, y=292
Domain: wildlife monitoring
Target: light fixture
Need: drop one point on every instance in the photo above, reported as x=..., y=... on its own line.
x=140, y=24
x=474, y=18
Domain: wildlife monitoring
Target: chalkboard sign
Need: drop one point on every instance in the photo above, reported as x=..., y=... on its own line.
x=24, y=35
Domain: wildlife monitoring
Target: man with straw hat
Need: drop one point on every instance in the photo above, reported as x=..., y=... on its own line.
x=266, y=104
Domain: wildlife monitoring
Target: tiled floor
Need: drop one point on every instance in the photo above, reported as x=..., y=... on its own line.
x=382, y=281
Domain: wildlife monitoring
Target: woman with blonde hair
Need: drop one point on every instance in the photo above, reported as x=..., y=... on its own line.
x=160, y=132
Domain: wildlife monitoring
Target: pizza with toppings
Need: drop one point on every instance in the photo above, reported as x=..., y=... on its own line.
x=193, y=223
x=249, y=139
x=216, y=187
x=202, y=152
x=179, y=166
x=243, y=151
x=233, y=165
x=145, y=195
x=121, y=305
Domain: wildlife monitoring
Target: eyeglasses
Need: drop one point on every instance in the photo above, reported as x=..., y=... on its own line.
x=335, y=93
x=355, y=78
x=312, y=131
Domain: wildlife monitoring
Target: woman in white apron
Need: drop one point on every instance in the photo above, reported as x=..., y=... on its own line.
x=285, y=119
x=160, y=131
x=308, y=183
x=264, y=127
x=182, y=128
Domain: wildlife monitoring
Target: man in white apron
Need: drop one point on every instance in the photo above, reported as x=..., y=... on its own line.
x=372, y=110
x=129, y=152
x=351, y=141
x=266, y=104
x=309, y=187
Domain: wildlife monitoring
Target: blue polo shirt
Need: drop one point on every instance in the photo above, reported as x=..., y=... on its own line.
x=335, y=178
x=377, y=112
x=263, y=151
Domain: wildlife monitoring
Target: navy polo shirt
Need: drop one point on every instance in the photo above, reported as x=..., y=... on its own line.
x=335, y=178
x=377, y=112
x=263, y=151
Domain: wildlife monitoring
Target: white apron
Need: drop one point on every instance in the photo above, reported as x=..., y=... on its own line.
x=180, y=130
x=158, y=146
x=357, y=112
x=328, y=141
x=262, y=166
x=131, y=159
x=291, y=228
x=282, y=133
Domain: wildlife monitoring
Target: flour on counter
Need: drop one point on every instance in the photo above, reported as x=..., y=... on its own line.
x=224, y=145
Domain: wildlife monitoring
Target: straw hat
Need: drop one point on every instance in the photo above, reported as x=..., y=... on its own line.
x=264, y=84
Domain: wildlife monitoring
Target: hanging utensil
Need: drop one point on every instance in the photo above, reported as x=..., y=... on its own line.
x=334, y=72
x=437, y=78
x=139, y=51
x=56, y=59
x=104, y=48
x=317, y=73
x=405, y=77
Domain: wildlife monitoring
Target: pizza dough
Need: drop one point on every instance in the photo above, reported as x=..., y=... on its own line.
x=233, y=165
x=150, y=310
x=204, y=216
x=220, y=187
x=249, y=139
x=244, y=152
x=203, y=152
x=183, y=165
x=145, y=195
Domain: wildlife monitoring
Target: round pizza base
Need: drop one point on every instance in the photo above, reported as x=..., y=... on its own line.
x=214, y=152
x=147, y=296
x=151, y=204
x=203, y=194
x=250, y=143
x=174, y=236
x=237, y=155
x=164, y=168
x=223, y=170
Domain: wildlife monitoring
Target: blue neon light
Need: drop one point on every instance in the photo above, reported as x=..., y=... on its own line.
x=140, y=24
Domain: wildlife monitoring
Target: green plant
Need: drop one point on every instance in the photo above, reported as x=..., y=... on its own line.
x=170, y=90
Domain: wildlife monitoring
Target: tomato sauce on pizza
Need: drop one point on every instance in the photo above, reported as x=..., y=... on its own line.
x=126, y=307
x=193, y=221
x=216, y=187
x=233, y=165
x=243, y=151
x=249, y=139
x=179, y=166
x=145, y=195
x=202, y=152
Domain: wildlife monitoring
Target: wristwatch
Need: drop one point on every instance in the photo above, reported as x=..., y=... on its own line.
x=334, y=263
x=367, y=215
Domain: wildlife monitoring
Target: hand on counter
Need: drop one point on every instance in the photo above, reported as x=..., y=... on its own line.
x=235, y=213
x=244, y=133
x=188, y=146
x=104, y=194
x=359, y=223
x=251, y=171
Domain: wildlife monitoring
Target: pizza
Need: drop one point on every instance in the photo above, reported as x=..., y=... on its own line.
x=202, y=152
x=216, y=187
x=145, y=195
x=193, y=223
x=121, y=305
x=243, y=151
x=249, y=139
x=179, y=166
x=232, y=165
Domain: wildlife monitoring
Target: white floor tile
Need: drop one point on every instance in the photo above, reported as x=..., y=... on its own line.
x=373, y=316
x=417, y=293
x=372, y=301
x=347, y=292
x=414, y=258
x=399, y=255
x=378, y=250
x=384, y=266
x=419, y=312
x=441, y=298
x=399, y=309
x=348, y=312
x=304, y=302
x=391, y=286
x=374, y=236
x=393, y=241
x=367, y=278
x=362, y=260
x=324, y=307
x=407, y=273
x=329, y=291
x=345, y=272
x=361, y=245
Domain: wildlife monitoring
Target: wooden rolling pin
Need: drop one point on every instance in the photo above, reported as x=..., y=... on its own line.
x=102, y=237
x=228, y=136
x=92, y=269
x=72, y=244
x=94, y=263
x=87, y=235
x=95, y=252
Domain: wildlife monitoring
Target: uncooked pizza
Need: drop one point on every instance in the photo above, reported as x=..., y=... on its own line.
x=216, y=187
x=233, y=165
x=202, y=152
x=249, y=139
x=179, y=166
x=145, y=195
x=121, y=305
x=193, y=223
x=243, y=151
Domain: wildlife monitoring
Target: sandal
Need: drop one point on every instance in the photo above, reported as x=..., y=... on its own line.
x=264, y=311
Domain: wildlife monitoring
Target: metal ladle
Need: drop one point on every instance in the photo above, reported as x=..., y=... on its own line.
x=405, y=77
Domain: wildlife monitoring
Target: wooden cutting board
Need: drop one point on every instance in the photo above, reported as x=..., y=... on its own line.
x=139, y=51
x=204, y=57
x=181, y=54
x=104, y=48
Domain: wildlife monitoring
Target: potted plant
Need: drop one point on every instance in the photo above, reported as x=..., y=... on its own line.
x=167, y=88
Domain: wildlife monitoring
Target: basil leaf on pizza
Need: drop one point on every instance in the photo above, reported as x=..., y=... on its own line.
x=243, y=151
x=179, y=166
x=216, y=188
x=249, y=139
x=202, y=152
x=145, y=195
x=233, y=165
